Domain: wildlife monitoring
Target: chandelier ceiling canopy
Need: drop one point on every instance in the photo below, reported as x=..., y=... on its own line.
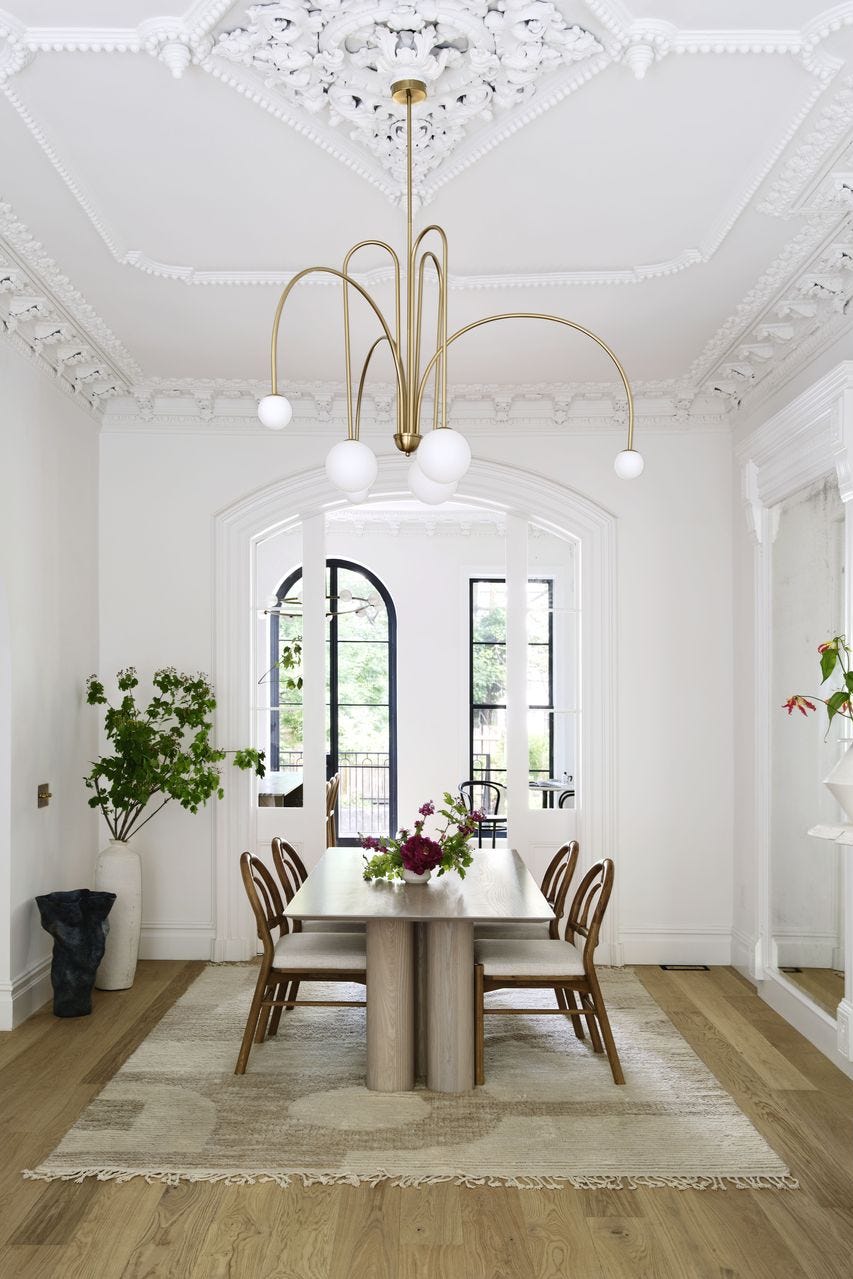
x=440, y=457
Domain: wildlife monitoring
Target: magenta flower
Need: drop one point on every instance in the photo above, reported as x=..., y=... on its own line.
x=420, y=854
x=370, y=841
x=427, y=809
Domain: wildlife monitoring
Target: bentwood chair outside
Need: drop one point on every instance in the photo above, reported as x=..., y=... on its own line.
x=332, y=788
x=293, y=958
x=555, y=886
x=563, y=966
x=292, y=875
x=489, y=802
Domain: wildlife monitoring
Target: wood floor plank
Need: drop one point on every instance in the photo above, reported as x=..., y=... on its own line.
x=367, y=1232
x=630, y=1248
x=432, y=1213
x=559, y=1239
x=174, y=1232
x=495, y=1233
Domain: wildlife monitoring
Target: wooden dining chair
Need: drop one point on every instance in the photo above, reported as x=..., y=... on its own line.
x=554, y=887
x=559, y=964
x=293, y=958
x=292, y=874
x=332, y=787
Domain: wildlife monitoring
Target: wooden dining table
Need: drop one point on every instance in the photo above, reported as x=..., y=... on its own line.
x=420, y=956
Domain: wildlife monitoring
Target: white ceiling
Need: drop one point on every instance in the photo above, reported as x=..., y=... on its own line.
x=684, y=187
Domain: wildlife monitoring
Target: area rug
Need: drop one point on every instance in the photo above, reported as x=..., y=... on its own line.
x=548, y=1116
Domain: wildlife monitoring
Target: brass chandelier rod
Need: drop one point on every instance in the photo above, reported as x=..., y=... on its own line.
x=446, y=458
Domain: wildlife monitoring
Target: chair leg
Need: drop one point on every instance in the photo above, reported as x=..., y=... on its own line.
x=610, y=1045
x=568, y=1001
x=589, y=1010
x=280, y=993
x=251, y=1022
x=291, y=997
x=479, y=1028
x=263, y=1020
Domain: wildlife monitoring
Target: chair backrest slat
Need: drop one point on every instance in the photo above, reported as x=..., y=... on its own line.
x=557, y=880
x=265, y=900
x=589, y=904
x=490, y=796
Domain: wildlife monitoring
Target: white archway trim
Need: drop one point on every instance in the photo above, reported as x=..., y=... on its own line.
x=491, y=485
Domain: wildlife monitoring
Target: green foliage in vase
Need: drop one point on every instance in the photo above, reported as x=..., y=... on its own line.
x=412, y=850
x=161, y=751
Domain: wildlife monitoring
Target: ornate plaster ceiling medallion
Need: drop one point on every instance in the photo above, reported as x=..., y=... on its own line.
x=480, y=58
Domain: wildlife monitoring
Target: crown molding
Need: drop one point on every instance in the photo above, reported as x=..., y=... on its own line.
x=47, y=319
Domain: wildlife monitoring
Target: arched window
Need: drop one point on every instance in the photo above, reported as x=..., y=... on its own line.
x=361, y=705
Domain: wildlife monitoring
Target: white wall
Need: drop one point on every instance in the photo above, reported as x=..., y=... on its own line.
x=160, y=492
x=48, y=581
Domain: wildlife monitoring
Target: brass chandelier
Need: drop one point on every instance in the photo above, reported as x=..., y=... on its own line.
x=442, y=455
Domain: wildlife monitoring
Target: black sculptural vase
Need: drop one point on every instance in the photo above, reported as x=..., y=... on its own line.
x=77, y=921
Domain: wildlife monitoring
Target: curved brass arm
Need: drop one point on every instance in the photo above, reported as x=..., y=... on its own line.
x=538, y=315
x=363, y=244
x=426, y=258
x=361, y=382
x=443, y=283
x=347, y=279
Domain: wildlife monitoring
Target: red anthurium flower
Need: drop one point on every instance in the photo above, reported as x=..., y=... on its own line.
x=798, y=703
x=830, y=645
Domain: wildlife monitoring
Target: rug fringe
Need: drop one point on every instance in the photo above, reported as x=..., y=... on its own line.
x=286, y=1178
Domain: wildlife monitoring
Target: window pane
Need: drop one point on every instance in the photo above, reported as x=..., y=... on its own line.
x=488, y=742
x=488, y=621
x=489, y=673
x=538, y=675
x=363, y=728
x=353, y=625
x=538, y=611
x=289, y=735
x=363, y=673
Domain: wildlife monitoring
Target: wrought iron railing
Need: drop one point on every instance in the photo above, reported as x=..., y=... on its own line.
x=364, y=797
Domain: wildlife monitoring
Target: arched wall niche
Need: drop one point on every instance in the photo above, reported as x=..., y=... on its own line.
x=524, y=497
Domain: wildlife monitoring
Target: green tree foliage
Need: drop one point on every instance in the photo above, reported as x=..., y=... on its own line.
x=163, y=750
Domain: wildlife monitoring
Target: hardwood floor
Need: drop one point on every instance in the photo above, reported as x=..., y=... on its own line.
x=50, y=1069
x=824, y=985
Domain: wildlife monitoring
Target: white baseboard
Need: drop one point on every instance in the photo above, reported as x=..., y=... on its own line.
x=24, y=995
x=744, y=955
x=176, y=941
x=676, y=946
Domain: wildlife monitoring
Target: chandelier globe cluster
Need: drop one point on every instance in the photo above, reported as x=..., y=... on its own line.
x=441, y=457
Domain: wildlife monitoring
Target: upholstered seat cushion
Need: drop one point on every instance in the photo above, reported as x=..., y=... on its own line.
x=320, y=951
x=331, y=926
x=518, y=958
x=518, y=932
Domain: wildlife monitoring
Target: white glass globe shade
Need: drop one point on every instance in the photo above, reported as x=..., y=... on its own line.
x=628, y=464
x=275, y=411
x=357, y=499
x=351, y=466
x=426, y=489
x=444, y=456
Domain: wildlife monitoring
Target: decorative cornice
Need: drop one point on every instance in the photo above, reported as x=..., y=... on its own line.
x=46, y=317
x=790, y=189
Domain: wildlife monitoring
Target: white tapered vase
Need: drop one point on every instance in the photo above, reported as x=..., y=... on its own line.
x=840, y=782
x=118, y=870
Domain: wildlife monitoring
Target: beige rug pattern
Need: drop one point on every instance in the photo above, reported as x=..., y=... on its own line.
x=548, y=1116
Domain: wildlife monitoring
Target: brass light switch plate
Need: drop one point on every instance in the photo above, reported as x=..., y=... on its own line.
x=43, y=794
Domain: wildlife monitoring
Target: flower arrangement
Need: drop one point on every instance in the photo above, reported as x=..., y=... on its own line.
x=414, y=851
x=834, y=654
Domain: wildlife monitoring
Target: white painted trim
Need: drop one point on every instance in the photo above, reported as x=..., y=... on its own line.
x=677, y=945
x=492, y=486
x=177, y=941
x=25, y=994
x=790, y=1002
x=810, y=438
x=744, y=954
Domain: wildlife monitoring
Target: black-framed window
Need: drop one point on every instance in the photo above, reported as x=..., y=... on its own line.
x=487, y=678
x=361, y=697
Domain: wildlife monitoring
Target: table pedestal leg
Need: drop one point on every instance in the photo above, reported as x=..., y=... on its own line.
x=390, y=1005
x=420, y=1002
x=450, y=1006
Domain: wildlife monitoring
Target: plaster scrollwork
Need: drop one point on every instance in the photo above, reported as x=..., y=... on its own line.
x=339, y=59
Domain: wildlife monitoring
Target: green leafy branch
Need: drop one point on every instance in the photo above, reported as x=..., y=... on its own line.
x=162, y=751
